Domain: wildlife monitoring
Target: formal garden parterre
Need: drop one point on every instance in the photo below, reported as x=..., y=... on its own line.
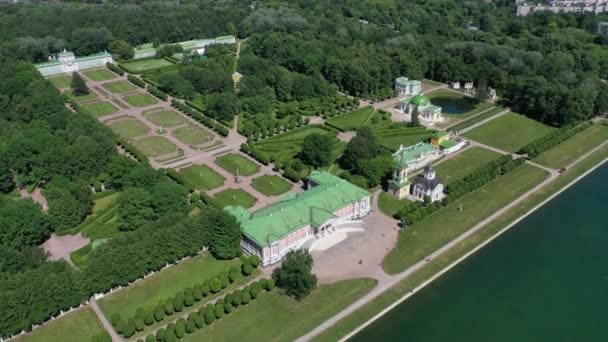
x=202, y=177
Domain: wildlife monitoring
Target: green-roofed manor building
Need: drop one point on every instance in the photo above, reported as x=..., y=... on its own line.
x=408, y=159
x=302, y=218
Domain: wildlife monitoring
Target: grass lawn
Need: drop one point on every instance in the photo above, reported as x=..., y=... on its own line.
x=165, y=118
x=276, y=317
x=571, y=149
x=392, y=134
x=352, y=120
x=129, y=128
x=155, y=146
x=202, y=177
x=99, y=75
x=229, y=163
x=137, y=66
x=61, y=81
x=431, y=83
x=390, y=205
x=509, y=132
x=140, y=100
x=77, y=326
x=119, y=87
x=426, y=236
x=452, y=103
x=271, y=185
x=363, y=314
x=234, y=197
x=285, y=146
x=192, y=135
x=164, y=284
x=464, y=163
x=91, y=95
x=98, y=109
x=101, y=223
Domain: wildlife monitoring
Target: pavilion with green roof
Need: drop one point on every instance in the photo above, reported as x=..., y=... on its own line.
x=421, y=104
x=289, y=224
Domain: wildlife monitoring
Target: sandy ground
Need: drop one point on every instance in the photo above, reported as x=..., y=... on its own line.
x=60, y=247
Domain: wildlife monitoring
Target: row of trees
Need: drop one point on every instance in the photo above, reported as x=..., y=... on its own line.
x=416, y=211
x=553, y=139
x=182, y=300
x=368, y=163
x=205, y=315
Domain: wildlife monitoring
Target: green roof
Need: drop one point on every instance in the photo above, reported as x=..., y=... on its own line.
x=82, y=58
x=448, y=144
x=406, y=155
x=440, y=134
x=293, y=212
x=225, y=37
x=401, y=184
x=420, y=100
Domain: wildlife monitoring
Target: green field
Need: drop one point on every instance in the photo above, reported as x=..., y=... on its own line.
x=271, y=185
x=245, y=166
x=202, y=177
x=353, y=120
x=137, y=66
x=91, y=95
x=573, y=148
x=285, y=146
x=164, y=118
x=509, y=132
x=393, y=134
x=162, y=285
x=441, y=227
x=390, y=205
x=234, y=197
x=61, y=81
x=119, y=87
x=431, y=83
x=77, y=326
x=129, y=128
x=155, y=146
x=464, y=163
x=276, y=317
x=140, y=100
x=192, y=135
x=99, y=75
x=98, y=109
x=102, y=223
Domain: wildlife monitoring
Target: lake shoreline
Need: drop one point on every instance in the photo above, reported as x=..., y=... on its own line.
x=472, y=251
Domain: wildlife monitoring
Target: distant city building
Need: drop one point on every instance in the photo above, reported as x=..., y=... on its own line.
x=421, y=103
x=562, y=6
x=198, y=45
x=406, y=86
x=428, y=184
x=298, y=219
x=66, y=62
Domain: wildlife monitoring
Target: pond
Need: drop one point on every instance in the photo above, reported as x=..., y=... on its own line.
x=454, y=103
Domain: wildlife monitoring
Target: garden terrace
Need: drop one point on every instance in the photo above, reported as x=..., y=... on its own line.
x=99, y=75
x=155, y=146
x=97, y=109
x=79, y=99
x=284, y=147
x=192, y=135
x=464, y=163
x=164, y=118
x=234, y=197
x=509, y=132
x=119, y=87
x=140, y=100
x=201, y=177
x=129, y=128
x=271, y=185
x=230, y=161
x=392, y=134
x=63, y=81
x=351, y=121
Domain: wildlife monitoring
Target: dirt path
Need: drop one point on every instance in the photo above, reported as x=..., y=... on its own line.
x=37, y=197
x=104, y=321
x=60, y=247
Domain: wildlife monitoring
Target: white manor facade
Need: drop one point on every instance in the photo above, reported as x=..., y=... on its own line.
x=428, y=184
x=425, y=109
x=66, y=62
x=406, y=86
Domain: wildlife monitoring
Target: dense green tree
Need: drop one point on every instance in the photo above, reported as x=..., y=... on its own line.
x=134, y=209
x=295, y=275
x=224, y=234
x=317, y=150
x=121, y=48
x=78, y=85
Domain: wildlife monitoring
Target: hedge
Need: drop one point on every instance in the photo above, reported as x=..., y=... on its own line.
x=553, y=139
x=134, y=152
x=137, y=81
x=115, y=68
x=200, y=117
x=157, y=92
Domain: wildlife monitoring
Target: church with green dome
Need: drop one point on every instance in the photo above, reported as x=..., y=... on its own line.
x=421, y=103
